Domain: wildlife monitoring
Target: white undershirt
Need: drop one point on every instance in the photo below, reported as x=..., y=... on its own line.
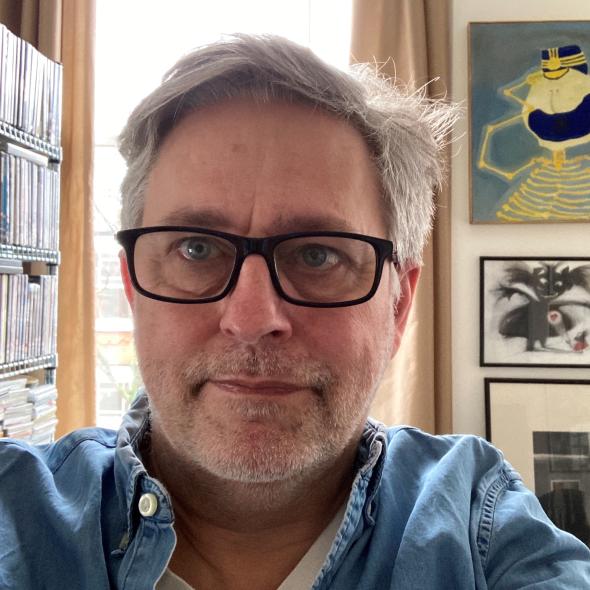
x=302, y=576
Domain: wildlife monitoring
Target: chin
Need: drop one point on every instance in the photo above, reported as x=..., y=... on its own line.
x=259, y=454
x=248, y=443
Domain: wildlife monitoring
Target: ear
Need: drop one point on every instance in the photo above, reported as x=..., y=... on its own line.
x=127, y=286
x=408, y=279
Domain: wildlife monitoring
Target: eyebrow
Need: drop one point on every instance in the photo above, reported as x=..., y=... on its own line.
x=198, y=218
x=213, y=219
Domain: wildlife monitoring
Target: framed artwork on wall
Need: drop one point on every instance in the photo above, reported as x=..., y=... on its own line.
x=543, y=429
x=535, y=312
x=529, y=121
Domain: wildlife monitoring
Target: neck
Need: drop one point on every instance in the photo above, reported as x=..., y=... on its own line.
x=236, y=535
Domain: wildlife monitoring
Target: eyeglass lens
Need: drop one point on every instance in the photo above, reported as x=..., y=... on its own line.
x=314, y=269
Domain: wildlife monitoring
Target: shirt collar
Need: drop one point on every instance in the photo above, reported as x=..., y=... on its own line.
x=371, y=460
x=129, y=468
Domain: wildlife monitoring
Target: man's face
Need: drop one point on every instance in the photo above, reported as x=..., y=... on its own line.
x=253, y=388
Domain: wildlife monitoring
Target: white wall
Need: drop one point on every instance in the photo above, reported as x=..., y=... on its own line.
x=472, y=241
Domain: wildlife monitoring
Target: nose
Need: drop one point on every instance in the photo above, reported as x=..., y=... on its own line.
x=254, y=310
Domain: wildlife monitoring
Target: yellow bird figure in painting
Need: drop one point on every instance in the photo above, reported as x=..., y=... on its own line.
x=556, y=111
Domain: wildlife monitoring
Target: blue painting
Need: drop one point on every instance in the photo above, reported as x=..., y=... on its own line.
x=530, y=122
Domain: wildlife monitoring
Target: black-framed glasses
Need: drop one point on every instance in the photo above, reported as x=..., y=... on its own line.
x=195, y=265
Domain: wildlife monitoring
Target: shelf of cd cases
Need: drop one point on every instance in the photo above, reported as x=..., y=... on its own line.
x=10, y=134
x=30, y=95
x=28, y=316
x=28, y=254
x=24, y=366
x=29, y=202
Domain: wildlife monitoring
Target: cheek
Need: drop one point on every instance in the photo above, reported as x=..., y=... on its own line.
x=166, y=329
x=349, y=335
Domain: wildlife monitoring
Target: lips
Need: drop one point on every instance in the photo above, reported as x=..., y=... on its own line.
x=256, y=387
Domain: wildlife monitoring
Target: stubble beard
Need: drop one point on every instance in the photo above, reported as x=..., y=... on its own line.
x=286, y=447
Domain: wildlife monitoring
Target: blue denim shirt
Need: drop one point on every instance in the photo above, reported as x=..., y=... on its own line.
x=424, y=512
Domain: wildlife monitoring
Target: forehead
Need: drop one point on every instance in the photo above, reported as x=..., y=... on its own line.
x=264, y=168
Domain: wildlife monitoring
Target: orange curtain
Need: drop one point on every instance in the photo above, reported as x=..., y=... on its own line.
x=411, y=39
x=75, y=346
x=64, y=31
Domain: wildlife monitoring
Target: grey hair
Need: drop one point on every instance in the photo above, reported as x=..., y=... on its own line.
x=404, y=131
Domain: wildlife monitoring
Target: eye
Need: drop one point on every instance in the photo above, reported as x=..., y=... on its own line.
x=316, y=256
x=543, y=281
x=197, y=248
x=558, y=284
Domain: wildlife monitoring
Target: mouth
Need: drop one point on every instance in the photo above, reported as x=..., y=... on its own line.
x=257, y=386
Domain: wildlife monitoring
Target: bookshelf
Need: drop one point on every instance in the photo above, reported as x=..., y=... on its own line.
x=30, y=158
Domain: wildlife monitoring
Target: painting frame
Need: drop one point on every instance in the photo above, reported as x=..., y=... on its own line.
x=504, y=342
x=519, y=413
x=495, y=197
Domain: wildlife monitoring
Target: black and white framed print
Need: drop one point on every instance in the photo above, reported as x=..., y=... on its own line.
x=543, y=429
x=535, y=312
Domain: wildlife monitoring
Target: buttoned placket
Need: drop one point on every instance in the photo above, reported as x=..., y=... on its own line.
x=148, y=542
x=152, y=540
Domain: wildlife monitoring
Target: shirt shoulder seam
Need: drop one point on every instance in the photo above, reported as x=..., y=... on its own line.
x=75, y=445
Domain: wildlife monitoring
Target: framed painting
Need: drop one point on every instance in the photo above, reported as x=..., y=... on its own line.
x=529, y=122
x=535, y=312
x=543, y=429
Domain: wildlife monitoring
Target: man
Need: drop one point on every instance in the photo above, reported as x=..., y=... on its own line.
x=275, y=210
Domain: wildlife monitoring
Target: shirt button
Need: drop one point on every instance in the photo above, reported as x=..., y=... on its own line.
x=148, y=504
